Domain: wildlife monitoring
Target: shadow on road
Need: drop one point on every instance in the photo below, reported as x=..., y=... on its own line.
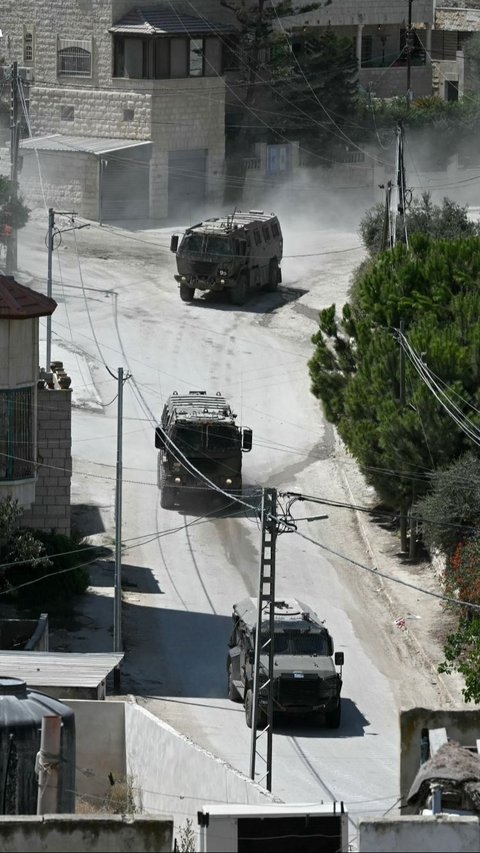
x=174, y=652
x=217, y=505
x=258, y=301
x=353, y=724
x=86, y=519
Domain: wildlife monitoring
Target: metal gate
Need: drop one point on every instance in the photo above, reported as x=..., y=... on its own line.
x=124, y=184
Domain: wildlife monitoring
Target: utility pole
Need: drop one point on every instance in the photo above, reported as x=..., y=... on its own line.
x=52, y=231
x=409, y=47
x=403, y=518
x=402, y=365
x=117, y=596
x=265, y=608
x=11, y=257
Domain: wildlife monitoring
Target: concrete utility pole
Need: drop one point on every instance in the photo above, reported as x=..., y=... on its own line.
x=117, y=597
x=52, y=231
x=409, y=47
x=11, y=257
x=265, y=606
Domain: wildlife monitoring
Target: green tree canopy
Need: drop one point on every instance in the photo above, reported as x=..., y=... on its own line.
x=434, y=288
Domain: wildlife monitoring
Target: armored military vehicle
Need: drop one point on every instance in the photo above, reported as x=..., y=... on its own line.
x=234, y=253
x=200, y=446
x=305, y=682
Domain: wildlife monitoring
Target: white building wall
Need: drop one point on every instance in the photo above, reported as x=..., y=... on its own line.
x=167, y=773
x=442, y=834
x=63, y=181
x=18, y=352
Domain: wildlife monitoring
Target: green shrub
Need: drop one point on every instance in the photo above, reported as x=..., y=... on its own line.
x=49, y=585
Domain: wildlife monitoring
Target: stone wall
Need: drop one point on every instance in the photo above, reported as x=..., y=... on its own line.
x=440, y=834
x=68, y=181
x=95, y=113
x=51, y=509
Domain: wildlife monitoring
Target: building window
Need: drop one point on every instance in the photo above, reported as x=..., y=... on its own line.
x=28, y=45
x=266, y=232
x=366, y=49
x=166, y=58
x=67, y=113
x=74, y=57
x=257, y=237
x=128, y=115
x=195, y=67
x=16, y=434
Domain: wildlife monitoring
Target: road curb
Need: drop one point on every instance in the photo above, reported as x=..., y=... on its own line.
x=409, y=634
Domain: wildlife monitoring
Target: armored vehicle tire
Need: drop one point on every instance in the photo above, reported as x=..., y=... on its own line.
x=186, y=293
x=239, y=291
x=233, y=693
x=332, y=718
x=273, y=276
x=167, y=498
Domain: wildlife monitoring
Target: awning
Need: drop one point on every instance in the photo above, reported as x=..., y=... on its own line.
x=167, y=22
x=87, y=144
x=62, y=674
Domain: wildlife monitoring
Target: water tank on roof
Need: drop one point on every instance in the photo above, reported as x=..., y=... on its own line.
x=21, y=712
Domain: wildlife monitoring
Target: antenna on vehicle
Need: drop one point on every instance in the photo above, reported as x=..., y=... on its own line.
x=232, y=217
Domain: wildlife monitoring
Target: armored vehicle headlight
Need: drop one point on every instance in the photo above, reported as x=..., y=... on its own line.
x=228, y=481
x=223, y=272
x=178, y=480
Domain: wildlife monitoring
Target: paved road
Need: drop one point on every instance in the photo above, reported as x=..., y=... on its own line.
x=183, y=570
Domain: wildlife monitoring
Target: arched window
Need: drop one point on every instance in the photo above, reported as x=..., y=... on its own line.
x=74, y=57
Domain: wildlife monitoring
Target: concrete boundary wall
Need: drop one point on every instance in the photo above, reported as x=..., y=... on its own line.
x=177, y=777
x=163, y=771
x=441, y=834
x=77, y=833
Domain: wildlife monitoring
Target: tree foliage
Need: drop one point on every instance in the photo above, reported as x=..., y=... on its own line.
x=12, y=209
x=433, y=288
x=450, y=512
x=462, y=655
x=17, y=545
x=39, y=568
x=444, y=222
x=316, y=90
x=286, y=83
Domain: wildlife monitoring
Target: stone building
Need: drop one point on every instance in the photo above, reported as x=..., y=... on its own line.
x=430, y=59
x=35, y=415
x=126, y=104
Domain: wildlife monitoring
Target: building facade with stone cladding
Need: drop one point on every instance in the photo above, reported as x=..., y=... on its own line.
x=51, y=509
x=177, y=114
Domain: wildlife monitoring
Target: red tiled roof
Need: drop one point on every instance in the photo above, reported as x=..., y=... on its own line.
x=18, y=302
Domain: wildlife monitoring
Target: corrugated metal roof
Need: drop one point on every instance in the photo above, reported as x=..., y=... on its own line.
x=89, y=144
x=58, y=669
x=18, y=302
x=167, y=22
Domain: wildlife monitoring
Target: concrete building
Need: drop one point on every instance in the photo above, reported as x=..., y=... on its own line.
x=431, y=60
x=126, y=104
x=35, y=415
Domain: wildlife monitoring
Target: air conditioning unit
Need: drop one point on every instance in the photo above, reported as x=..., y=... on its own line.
x=26, y=74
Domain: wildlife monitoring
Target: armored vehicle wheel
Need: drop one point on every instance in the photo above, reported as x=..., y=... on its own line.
x=238, y=293
x=186, y=293
x=166, y=498
x=273, y=276
x=249, y=708
x=233, y=693
x=332, y=718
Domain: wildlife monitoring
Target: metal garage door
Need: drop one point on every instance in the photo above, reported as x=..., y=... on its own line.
x=124, y=184
x=187, y=173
